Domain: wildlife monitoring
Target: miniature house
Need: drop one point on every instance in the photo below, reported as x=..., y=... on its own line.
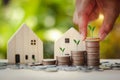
x=24, y=47
x=66, y=41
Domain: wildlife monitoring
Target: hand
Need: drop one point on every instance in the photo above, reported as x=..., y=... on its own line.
x=89, y=10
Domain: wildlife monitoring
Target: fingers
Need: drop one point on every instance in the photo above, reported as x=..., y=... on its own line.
x=83, y=21
x=94, y=14
x=110, y=10
x=86, y=10
x=83, y=10
x=107, y=25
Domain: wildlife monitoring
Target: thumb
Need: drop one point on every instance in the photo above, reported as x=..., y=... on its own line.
x=108, y=23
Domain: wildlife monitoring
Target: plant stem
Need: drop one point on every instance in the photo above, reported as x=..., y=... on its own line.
x=77, y=47
x=92, y=34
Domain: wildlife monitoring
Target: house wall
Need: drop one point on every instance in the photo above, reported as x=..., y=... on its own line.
x=71, y=46
x=11, y=49
x=26, y=44
x=37, y=49
x=20, y=44
x=19, y=37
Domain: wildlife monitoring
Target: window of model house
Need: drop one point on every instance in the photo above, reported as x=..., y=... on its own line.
x=67, y=40
x=26, y=57
x=33, y=42
x=33, y=57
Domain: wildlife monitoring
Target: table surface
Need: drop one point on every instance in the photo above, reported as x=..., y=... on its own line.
x=26, y=74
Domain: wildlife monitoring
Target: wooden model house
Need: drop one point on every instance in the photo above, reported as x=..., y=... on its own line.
x=24, y=47
x=67, y=42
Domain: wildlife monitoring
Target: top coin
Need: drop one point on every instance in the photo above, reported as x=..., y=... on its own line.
x=92, y=39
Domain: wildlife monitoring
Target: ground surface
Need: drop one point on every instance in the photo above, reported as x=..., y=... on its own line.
x=27, y=74
x=60, y=75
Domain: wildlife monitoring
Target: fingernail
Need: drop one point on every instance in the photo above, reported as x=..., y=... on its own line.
x=83, y=37
x=102, y=36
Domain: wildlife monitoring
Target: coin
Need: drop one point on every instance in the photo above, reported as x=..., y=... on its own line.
x=51, y=69
x=63, y=58
x=77, y=53
x=92, y=50
x=93, y=56
x=63, y=63
x=92, y=44
x=49, y=62
x=77, y=58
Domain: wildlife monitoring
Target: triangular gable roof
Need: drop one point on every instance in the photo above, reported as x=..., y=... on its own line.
x=20, y=29
x=72, y=31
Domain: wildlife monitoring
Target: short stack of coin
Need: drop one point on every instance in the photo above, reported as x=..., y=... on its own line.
x=92, y=47
x=77, y=58
x=49, y=62
x=63, y=60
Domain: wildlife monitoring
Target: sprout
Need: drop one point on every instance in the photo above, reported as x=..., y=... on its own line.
x=76, y=42
x=62, y=50
x=91, y=28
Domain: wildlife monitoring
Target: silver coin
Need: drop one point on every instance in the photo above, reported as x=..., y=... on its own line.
x=70, y=69
x=51, y=69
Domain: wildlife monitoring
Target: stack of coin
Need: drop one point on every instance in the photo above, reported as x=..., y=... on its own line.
x=92, y=47
x=49, y=62
x=63, y=60
x=77, y=58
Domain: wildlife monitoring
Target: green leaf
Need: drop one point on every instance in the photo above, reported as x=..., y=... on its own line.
x=78, y=42
x=93, y=28
x=89, y=27
x=75, y=41
x=62, y=49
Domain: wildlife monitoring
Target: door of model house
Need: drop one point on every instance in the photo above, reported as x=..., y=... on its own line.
x=17, y=58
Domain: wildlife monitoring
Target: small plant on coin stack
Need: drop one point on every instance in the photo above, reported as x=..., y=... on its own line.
x=77, y=56
x=63, y=59
x=91, y=28
x=92, y=48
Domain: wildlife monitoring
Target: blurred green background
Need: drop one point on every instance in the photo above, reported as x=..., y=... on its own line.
x=49, y=19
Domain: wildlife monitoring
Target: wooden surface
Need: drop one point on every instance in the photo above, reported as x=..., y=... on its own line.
x=25, y=74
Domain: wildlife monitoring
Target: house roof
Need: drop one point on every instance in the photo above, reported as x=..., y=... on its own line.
x=71, y=32
x=22, y=28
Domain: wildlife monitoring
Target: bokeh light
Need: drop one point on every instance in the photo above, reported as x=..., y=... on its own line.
x=52, y=34
x=101, y=17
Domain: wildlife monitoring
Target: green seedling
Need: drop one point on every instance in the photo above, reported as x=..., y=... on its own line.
x=77, y=42
x=62, y=50
x=91, y=28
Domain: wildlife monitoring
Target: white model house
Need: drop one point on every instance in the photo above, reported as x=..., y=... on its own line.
x=67, y=42
x=24, y=47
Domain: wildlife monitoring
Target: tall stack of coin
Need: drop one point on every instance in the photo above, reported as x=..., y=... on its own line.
x=63, y=60
x=77, y=58
x=92, y=47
